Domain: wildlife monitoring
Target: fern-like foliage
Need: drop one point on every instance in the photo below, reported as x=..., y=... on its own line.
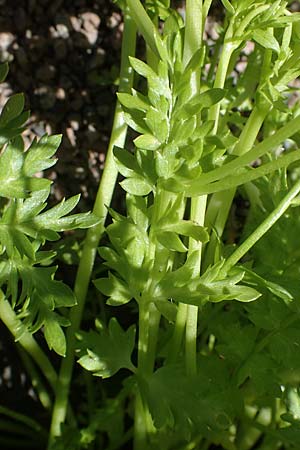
x=26, y=224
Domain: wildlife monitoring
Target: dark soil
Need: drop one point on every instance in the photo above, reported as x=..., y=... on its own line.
x=64, y=54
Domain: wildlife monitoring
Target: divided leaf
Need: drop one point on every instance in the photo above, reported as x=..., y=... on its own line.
x=107, y=351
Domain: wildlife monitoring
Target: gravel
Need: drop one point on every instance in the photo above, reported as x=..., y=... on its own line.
x=64, y=54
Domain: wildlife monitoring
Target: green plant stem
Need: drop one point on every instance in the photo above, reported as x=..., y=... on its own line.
x=154, y=321
x=178, y=334
x=220, y=203
x=261, y=229
x=215, y=219
x=143, y=335
x=142, y=419
x=198, y=208
x=18, y=417
x=205, y=9
x=221, y=73
x=36, y=380
x=94, y=234
x=144, y=24
x=140, y=425
x=242, y=178
x=193, y=30
x=15, y=326
x=251, y=130
x=187, y=316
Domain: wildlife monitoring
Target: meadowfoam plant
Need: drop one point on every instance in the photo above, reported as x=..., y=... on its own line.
x=209, y=357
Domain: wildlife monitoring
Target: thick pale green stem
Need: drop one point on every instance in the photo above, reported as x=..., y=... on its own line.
x=103, y=200
x=15, y=326
x=193, y=29
x=198, y=208
x=187, y=316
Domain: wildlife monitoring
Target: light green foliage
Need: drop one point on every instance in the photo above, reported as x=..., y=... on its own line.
x=194, y=140
x=25, y=275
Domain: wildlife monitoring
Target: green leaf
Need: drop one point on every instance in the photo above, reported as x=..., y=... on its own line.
x=135, y=120
x=171, y=241
x=266, y=39
x=240, y=293
x=157, y=123
x=114, y=288
x=15, y=180
x=113, y=261
x=228, y=6
x=54, y=218
x=142, y=68
x=11, y=163
x=22, y=243
x=136, y=186
x=126, y=162
x=40, y=153
x=198, y=405
x=167, y=309
x=52, y=292
x=147, y=142
x=133, y=102
x=204, y=100
x=54, y=336
x=188, y=228
x=12, y=109
x=183, y=130
x=137, y=210
x=106, y=352
x=3, y=71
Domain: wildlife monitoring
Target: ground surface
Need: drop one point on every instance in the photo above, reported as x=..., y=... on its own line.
x=64, y=54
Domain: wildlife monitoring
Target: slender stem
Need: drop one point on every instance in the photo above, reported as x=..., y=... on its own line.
x=36, y=380
x=178, y=333
x=94, y=234
x=250, y=130
x=142, y=419
x=198, y=208
x=222, y=69
x=144, y=23
x=15, y=326
x=206, y=7
x=143, y=335
x=261, y=229
x=216, y=217
x=187, y=316
x=220, y=203
x=230, y=182
x=18, y=417
x=154, y=321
